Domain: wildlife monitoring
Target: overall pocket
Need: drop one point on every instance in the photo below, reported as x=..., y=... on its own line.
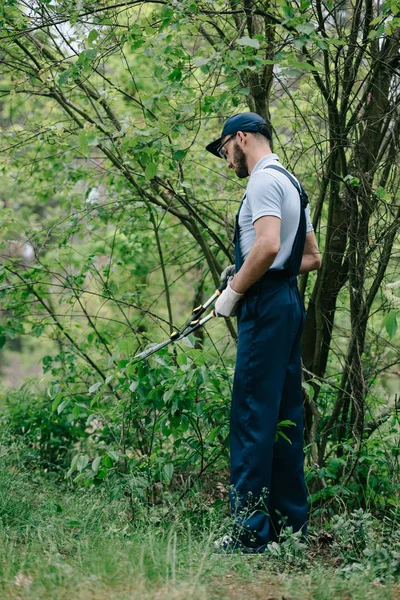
x=251, y=302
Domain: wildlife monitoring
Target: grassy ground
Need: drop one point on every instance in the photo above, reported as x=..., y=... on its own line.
x=74, y=544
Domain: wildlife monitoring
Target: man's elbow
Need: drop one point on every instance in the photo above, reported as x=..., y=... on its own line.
x=310, y=262
x=271, y=246
x=274, y=249
x=271, y=254
x=317, y=262
x=269, y=249
x=314, y=262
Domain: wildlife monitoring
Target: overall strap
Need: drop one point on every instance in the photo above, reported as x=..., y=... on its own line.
x=236, y=239
x=292, y=265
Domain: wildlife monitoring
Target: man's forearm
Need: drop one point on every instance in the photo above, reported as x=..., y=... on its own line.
x=258, y=261
x=310, y=262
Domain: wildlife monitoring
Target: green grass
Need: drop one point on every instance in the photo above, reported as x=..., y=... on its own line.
x=59, y=543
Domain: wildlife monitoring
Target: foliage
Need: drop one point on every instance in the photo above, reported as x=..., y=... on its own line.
x=362, y=475
x=44, y=441
x=362, y=547
x=114, y=224
x=173, y=419
x=54, y=540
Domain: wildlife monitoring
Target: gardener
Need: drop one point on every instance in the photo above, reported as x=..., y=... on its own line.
x=274, y=242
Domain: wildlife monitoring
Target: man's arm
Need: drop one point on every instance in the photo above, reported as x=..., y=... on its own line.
x=311, y=260
x=262, y=254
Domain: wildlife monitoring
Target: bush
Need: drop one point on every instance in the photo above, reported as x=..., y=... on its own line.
x=43, y=438
x=365, y=544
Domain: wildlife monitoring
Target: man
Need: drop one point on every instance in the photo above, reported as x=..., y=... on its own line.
x=274, y=242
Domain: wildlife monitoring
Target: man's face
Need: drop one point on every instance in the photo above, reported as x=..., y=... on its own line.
x=239, y=162
x=234, y=156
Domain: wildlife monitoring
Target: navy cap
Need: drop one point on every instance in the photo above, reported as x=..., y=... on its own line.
x=251, y=122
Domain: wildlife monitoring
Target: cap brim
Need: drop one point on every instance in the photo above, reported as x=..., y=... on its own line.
x=213, y=147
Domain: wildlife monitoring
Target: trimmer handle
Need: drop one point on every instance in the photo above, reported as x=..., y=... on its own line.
x=223, y=286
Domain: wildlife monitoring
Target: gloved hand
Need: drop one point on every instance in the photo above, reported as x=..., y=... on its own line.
x=228, y=272
x=226, y=304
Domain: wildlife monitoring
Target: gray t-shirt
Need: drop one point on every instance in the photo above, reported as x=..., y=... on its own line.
x=270, y=193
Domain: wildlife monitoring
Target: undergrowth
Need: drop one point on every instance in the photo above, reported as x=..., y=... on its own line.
x=62, y=541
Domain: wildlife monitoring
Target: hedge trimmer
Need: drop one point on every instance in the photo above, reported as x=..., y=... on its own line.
x=192, y=324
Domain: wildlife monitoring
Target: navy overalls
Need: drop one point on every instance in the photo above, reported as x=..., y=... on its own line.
x=267, y=479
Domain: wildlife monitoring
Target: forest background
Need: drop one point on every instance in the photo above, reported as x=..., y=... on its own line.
x=115, y=225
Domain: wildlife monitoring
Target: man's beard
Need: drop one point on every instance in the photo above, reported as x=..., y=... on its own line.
x=240, y=162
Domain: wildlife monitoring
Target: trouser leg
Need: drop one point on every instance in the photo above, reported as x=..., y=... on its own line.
x=267, y=331
x=288, y=495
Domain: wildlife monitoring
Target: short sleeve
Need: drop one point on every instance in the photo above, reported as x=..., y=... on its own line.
x=265, y=195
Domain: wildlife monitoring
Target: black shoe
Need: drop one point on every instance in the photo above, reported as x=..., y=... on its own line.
x=228, y=545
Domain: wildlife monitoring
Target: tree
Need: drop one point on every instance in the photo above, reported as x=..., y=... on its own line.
x=133, y=90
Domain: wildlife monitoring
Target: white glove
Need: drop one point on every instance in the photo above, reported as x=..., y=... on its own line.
x=226, y=304
x=228, y=272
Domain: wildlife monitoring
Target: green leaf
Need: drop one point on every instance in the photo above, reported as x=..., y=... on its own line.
x=352, y=180
x=131, y=369
x=374, y=34
x=288, y=12
x=286, y=423
x=93, y=35
x=213, y=433
x=72, y=522
x=310, y=390
x=73, y=465
x=188, y=341
x=90, y=54
x=96, y=464
x=113, y=455
x=283, y=435
x=176, y=75
x=2, y=340
x=37, y=332
x=168, y=394
x=64, y=77
x=168, y=471
x=82, y=462
x=390, y=323
x=93, y=388
x=179, y=154
x=77, y=410
x=61, y=406
x=247, y=41
x=181, y=359
x=151, y=170
x=56, y=402
x=134, y=386
x=54, y=390
x=380, y=192
x=306, y=28
x=304, y=66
